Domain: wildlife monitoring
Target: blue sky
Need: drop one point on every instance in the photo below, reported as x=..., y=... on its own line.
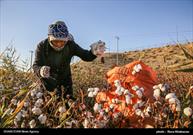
x=139, y=23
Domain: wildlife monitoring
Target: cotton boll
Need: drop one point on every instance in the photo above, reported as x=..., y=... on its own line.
x=117, y=83
x=118, y=91
x=26, y=104
x=42, y=118
x=90, y=89
x=135, y=106
x=112, y=106
x=68, y=124
x=32, y=123
x=141, y=89
x=113, y=100
x=149, y=109
x=140, y=103
x=155, y=87
x=135, y=88
x=18, y=116
x=101, y=113
x=156, y=94
x=188, y=111
x=86, y=123
x=24, y=113
x=36, y=111
x=33, y=92
x=170, y=95
x=96, y=90
x=14, y=101
x=39, y=95
x=62, y=109
x=90, y=94
x=126, y=92
x=116, y=115
x=39, y=102
x=138, y=112
x=133, y=72
x=139, y=94
x=95, y=107
x=128, y=99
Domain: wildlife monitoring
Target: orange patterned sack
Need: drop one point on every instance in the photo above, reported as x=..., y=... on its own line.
x=133, y=77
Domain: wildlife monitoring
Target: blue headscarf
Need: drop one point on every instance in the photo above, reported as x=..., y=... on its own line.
x=58, y=30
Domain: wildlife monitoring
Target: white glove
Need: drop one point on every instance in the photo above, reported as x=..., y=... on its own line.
x=98, y=48
x=45, y=71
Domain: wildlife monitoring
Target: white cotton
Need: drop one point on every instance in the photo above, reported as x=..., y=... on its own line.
x=117, y=83
x=106, y=110
x=135, y=87
x=156, y=94
x=122, y=89
x=24, y=113
x=137, y=68
x=62, y=109
x=26, y=104
x=18, y=116
x=140, y=103
x=112, y=106
x=42, y=118
x=90, y=89
x=138, y=112
x=96, y=90
x=128, y=99
x=155, y=87
x=39, y=95
x=113, y=100
x=32, y=123
x=14, y=101
x=116, y=115
x=170, y=95
x=86, y=123
x=33, y=92
x=96, y=107
x=36, y=111
x=141, y=89
x=39, y=102
x=135, y=106
x=101, y=113
x=139, y=93
x=149, y=109
x=126, y=92
x=68, y=124
x=118, y=91
x=188, y=111
x=163, y=88
x=90, y=94
x=117, y=101
x=133, y=72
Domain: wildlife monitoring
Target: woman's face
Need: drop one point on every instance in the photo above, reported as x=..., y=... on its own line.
x=58, y=43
